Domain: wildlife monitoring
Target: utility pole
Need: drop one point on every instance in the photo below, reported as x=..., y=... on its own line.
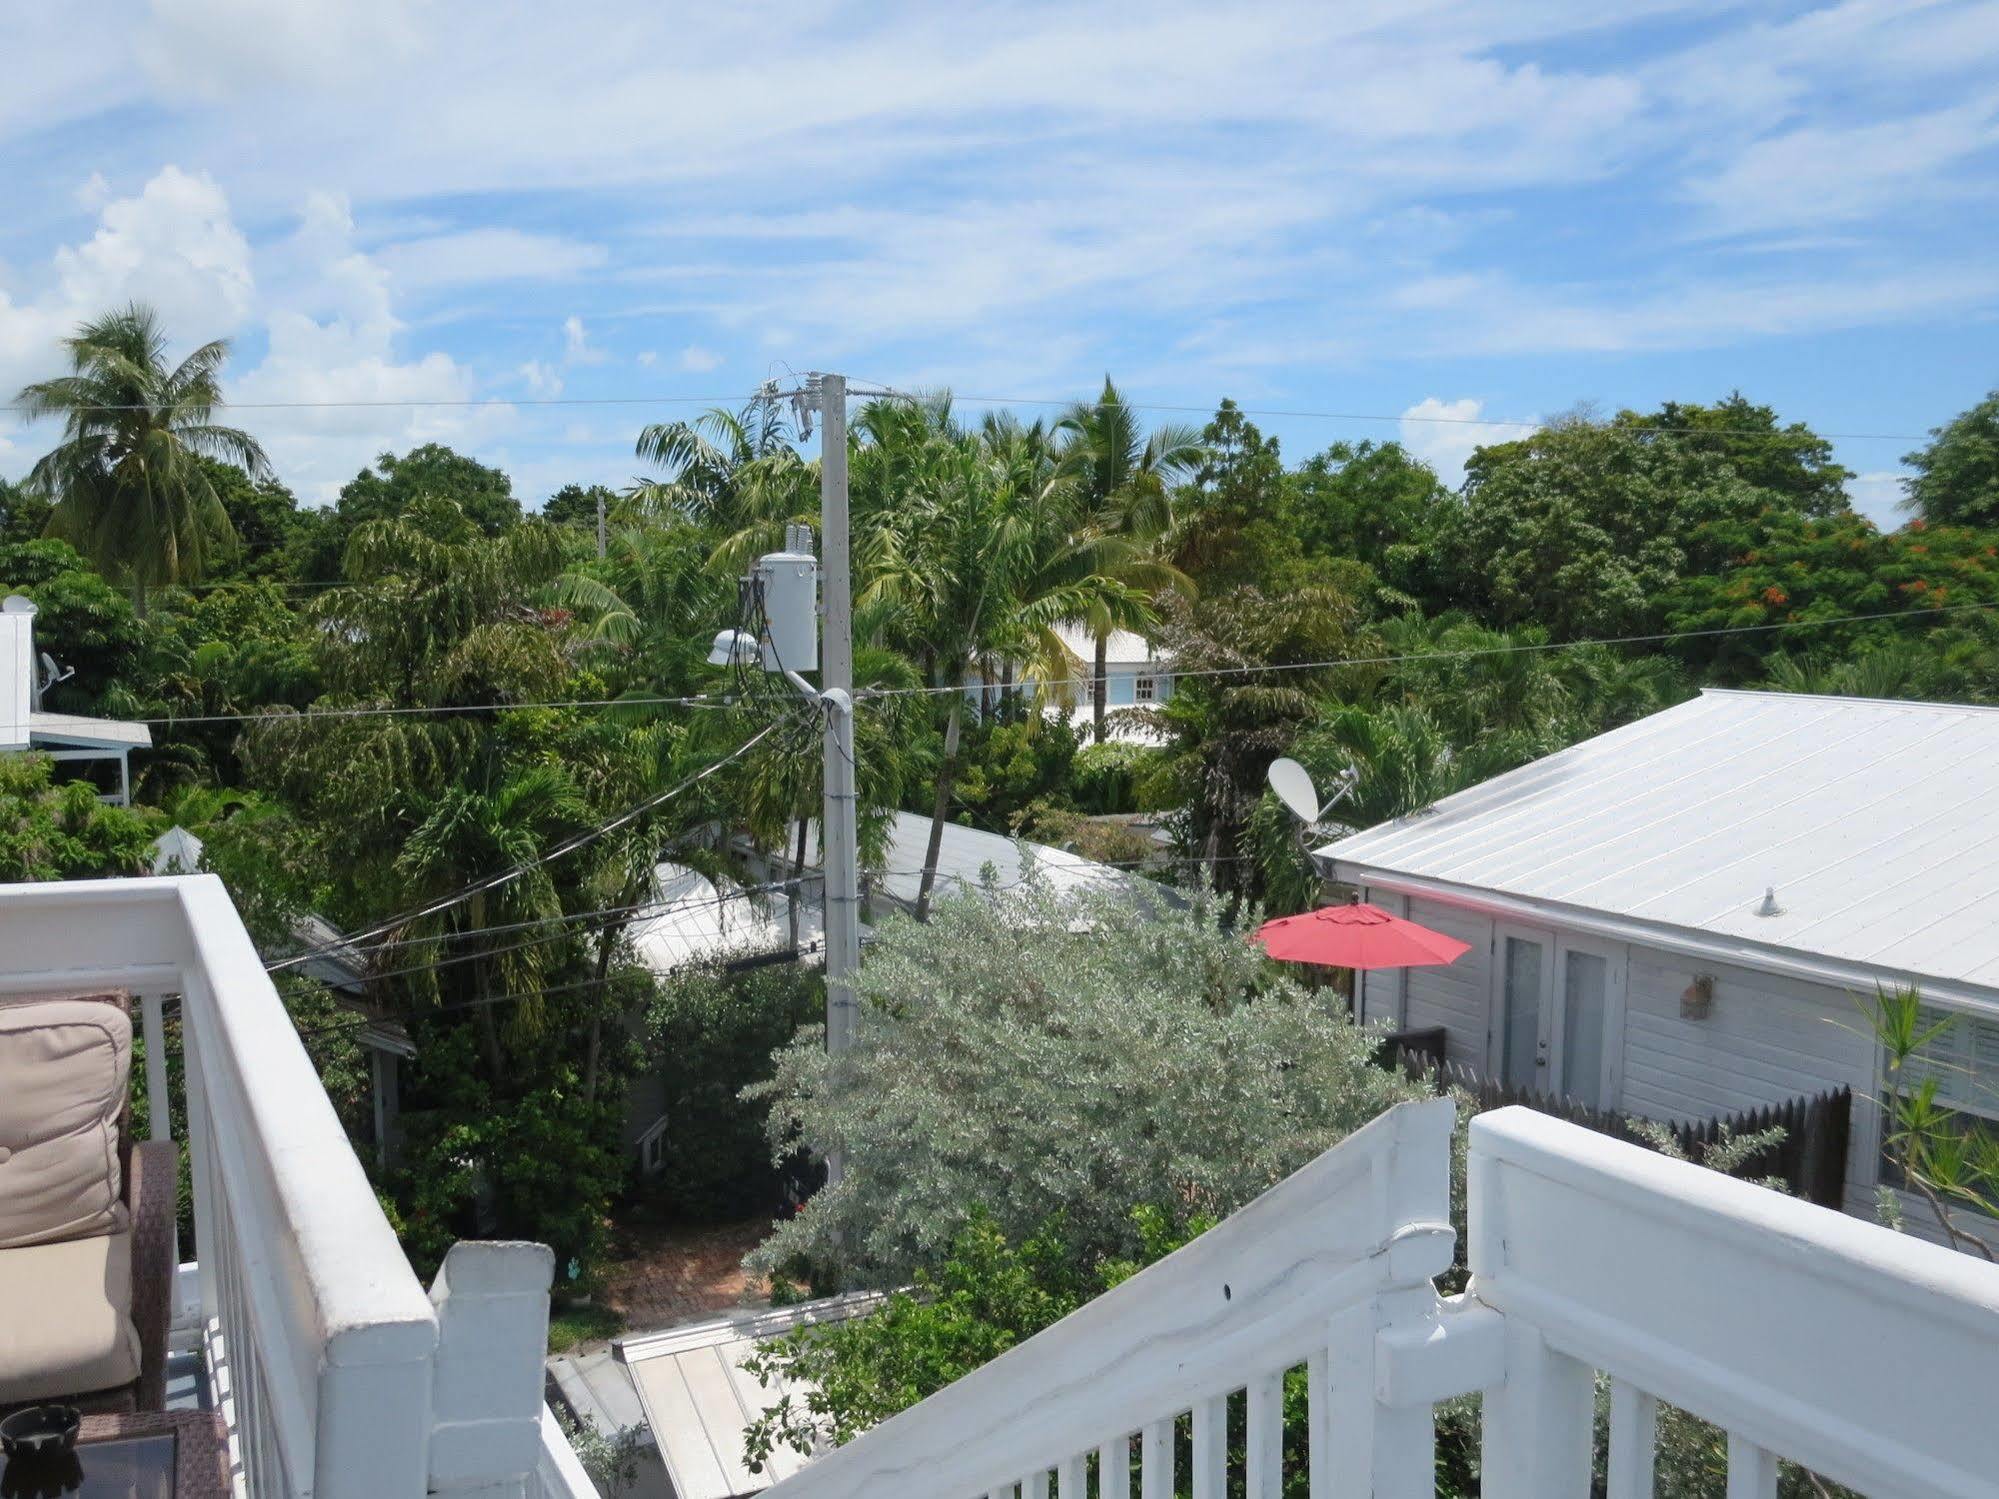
x=600, y=524
x=839, y=833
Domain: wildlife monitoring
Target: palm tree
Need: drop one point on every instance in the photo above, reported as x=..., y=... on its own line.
x=1122, y=479
x=735, y=473
x=127, y=480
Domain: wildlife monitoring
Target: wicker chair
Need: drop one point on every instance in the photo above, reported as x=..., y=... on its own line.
x=86, y=1214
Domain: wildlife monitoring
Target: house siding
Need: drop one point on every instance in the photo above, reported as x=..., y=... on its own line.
x=1458, y=995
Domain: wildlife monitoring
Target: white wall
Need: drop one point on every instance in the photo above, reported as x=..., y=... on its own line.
x=1456, y=996
x=1766, y=1040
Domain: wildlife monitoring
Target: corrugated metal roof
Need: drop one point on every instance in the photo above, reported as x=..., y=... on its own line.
x=1121, y=648
x=1876, y=822
x=698, y=1398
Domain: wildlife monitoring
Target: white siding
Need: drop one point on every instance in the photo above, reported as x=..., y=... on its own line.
x=1766, y=1040
x=1455, y=995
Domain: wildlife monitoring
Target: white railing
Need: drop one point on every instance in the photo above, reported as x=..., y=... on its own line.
x=338, y=1374
x=1864, y=1355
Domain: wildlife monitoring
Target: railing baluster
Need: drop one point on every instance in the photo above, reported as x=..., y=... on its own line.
x=1114, y=1469
x=1036, y=1486
x=1318, y=1426
x=1539, y=1423
x=1211, y=1448
x=1752, y=1472
x=1634, y=1438
x=1155, y=1469
x=1072, y=1479
x=1264, y=1467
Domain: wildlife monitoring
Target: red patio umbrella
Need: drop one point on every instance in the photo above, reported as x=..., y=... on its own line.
x=1357, y=936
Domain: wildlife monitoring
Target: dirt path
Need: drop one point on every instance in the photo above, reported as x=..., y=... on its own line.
x=663, y=1275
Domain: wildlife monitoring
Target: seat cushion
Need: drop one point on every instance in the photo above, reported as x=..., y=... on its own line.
x=64, y=1065
x=66, y=1318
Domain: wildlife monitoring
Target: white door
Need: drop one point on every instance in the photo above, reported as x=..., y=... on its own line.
x=1523, y=975
x=1586, y=1022
x=1558, y=1015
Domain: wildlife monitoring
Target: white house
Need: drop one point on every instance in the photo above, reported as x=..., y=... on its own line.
x=1679, y=919
x=1136, y=676
x=61, y=736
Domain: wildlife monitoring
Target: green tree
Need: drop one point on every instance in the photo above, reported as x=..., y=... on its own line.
x=51, y=831
x=1584, y=526
x=1123, y=478
x=1376, y=503
x=82, y=621
x=1233, y=522
x=1956, y=482
x=736, y=474
x=576, y=505
x=1133, y=1055
x=24, y=515
x=391, y=488
x=1791, y=461
x=128, y=482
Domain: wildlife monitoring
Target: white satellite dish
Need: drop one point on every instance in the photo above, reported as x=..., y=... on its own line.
x=1293, y=785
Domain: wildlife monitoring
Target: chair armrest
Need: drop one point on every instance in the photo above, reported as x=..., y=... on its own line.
x=153, y=1198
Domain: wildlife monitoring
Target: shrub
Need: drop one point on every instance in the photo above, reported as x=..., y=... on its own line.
x=1041, y=1058
x=712, y=1035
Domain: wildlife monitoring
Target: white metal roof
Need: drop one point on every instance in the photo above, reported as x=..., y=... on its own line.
x=964, y=853
x=698, y=1398
x=92, y=733
x=1876, y=822
x=1122, y=648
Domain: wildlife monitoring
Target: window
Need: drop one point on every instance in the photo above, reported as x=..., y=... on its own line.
x=1964, y=1060
x=1145, y=689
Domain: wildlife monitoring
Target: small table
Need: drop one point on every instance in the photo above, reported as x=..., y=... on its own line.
x=144, y=1455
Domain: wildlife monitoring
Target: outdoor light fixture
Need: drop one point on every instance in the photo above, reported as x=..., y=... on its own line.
x=1697, y=999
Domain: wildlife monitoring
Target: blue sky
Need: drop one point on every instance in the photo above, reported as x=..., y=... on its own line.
x=1465, y=209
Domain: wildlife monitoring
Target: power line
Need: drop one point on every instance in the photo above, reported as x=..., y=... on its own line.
x=611, y=917
x=1169, y=674
x=753, y=697
x=567, y=846
x=280, y=715
x=1058, y=402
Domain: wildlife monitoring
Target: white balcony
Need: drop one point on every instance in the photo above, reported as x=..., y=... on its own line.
x=338, y=1373
x=1866, y=1356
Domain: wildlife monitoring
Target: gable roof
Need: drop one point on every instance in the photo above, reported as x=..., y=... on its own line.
x=1876, y=822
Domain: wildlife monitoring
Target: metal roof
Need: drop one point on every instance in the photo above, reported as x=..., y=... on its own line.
x=698, y=1398
x=1876, y=823
x=1121, y=647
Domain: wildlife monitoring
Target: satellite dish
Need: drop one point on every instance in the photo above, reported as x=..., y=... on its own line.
x=1293, y=785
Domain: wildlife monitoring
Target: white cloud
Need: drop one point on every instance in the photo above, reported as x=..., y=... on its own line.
x=541, y=379
x=1444, y=434
x=648, y=358
x=699, y=360
x=1820, y=174
x=576, y=345
x=93, y=192
x=220, y=49
x=471, y=256
x=175, y=246
x=1878, y=496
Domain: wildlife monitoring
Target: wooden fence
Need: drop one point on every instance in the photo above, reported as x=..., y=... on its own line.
x=1810, y=1159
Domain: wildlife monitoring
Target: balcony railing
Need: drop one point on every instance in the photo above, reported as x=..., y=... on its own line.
x=1866, y=1356
x=339, y=1375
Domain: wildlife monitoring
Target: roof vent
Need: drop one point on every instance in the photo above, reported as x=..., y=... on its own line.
x=1769, y=906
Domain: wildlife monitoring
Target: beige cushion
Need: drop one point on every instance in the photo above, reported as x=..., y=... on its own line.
x=64, y=1064
x=66, y=1318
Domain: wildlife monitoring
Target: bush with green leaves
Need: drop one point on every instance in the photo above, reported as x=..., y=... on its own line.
x=711, y=1035
x=1037, y=1056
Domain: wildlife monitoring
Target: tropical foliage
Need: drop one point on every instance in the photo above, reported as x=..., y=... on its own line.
x=437, y=719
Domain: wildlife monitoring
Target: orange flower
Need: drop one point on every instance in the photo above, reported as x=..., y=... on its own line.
x=1773, y=596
